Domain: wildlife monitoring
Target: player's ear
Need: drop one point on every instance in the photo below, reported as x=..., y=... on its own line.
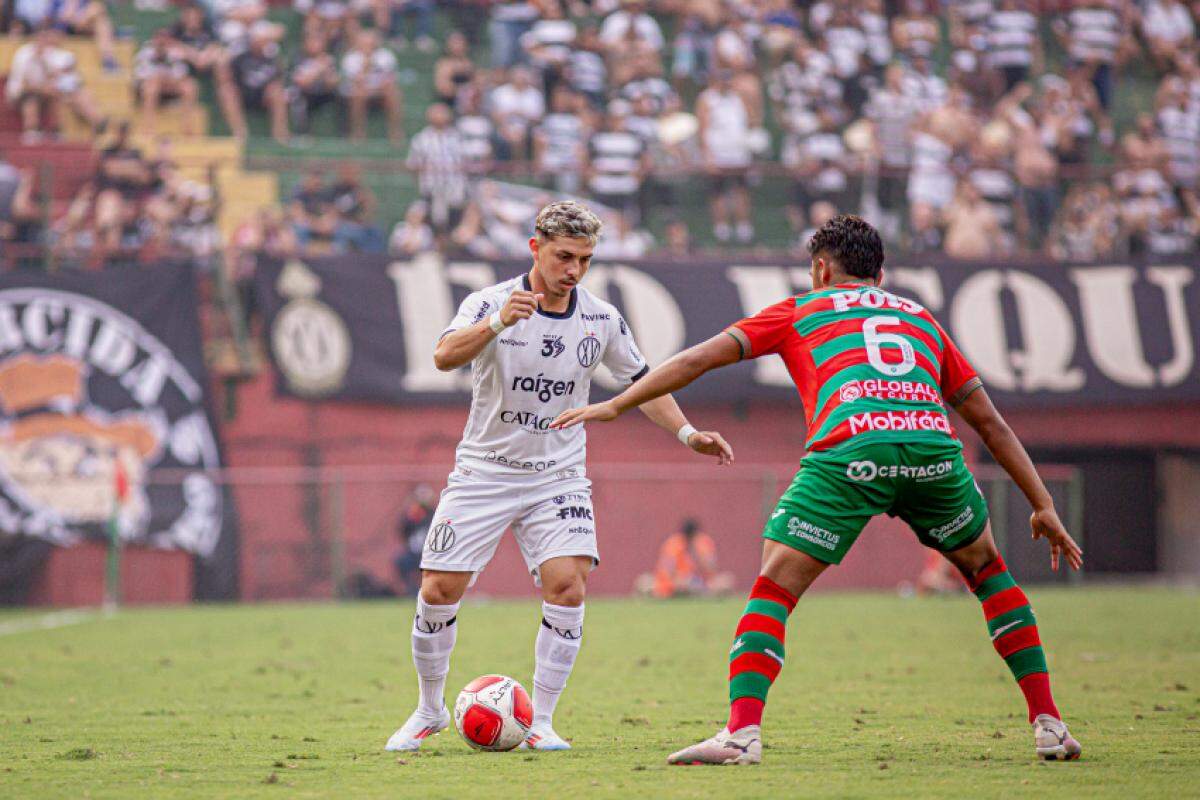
x=879, y=277
x=533, y=246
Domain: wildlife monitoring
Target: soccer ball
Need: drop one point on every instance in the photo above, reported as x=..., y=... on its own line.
x=493, y=712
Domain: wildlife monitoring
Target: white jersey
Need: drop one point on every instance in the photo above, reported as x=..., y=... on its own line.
x=531, y=373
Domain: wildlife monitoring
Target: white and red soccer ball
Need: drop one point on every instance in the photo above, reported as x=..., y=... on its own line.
x=493, y=712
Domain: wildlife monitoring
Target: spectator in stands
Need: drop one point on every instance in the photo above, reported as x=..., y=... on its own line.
x=1179, y=125
x=436, y=155
x=516, y=106
x=369, y=76
x=76, y=17
x=453, y=70
x=631, y=25
x=692, y=48
x=677, y=239
x=42, y=79
x=355, y=205
x=724, y=138
x=1072, y=118
x=971, y=64
x=972, y=230
x=845, y=43
x=239, y=21
x=1035, y=166
x=124, y=181
x=20, y=220
x=314, y=81
x=586, y=71
x=1144, y=196
x=560, y=142
x=821, y=172
x=617, y=163
x=412, y=234
x=393, y=15
x=335, y=20
x=1172, y=233
x=1087, y=226
x=892, y=114
x=313, y=218
x=256, y=80
x=1014, y=47
x=1098, y=36
x=477, y=134
x=915, y=32
x=508, y=22
x=1166, y=25
x=411, y=530
x=1143, y=145
x=196, y=41
x=991, y=173
x=548, y=45
x=161, y=72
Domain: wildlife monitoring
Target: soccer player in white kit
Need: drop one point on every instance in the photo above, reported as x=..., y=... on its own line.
x=532, y=343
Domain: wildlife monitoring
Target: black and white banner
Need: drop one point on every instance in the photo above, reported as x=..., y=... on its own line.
x=103, y=415
x=364, y=328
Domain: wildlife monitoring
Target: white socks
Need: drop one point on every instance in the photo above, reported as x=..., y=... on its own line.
x=557, y=646
x=433, y=638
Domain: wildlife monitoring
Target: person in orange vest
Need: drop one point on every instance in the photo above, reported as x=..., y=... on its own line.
x=687, y=564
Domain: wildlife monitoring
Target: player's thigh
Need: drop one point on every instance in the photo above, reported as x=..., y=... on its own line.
x=824, y=509
x=467, y=525
x=939, y=498
x=557, y=522
x=971, y=558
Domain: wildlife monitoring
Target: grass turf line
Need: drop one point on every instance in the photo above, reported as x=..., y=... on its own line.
x=881, y=697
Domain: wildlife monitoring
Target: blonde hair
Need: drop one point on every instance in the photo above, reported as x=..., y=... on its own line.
x=568, y=218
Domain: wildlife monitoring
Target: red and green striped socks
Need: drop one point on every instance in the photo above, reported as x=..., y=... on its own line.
x=757, y=653
x=1014, y=633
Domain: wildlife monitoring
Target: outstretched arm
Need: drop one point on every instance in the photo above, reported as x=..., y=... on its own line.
x=1006, y=448
x=674, y=373
x=666, y=414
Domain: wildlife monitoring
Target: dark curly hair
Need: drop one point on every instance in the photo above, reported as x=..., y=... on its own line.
x=852, y=244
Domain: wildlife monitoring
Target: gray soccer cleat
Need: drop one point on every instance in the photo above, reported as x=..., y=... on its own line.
x=1053, y=741
x=743, y=746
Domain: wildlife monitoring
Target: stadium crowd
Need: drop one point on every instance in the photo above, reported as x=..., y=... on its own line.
x=970, y=127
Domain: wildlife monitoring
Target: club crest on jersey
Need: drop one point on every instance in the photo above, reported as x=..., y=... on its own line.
x=552, y=346
x=441, y=537
x=588, y=350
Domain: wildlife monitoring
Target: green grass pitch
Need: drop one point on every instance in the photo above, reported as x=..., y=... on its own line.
x=881, y=697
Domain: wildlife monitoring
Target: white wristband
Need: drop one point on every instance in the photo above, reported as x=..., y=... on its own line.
x=495, y=323
x=685, y=433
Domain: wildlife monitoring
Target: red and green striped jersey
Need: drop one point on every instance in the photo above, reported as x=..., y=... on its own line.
x=869, y=365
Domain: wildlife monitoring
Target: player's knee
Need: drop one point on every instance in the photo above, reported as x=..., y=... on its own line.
x=565, y=591
x=440, y=590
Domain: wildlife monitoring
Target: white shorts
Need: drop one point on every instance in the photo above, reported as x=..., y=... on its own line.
x=549, y=519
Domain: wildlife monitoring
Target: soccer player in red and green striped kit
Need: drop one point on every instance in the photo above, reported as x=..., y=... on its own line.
x=875, y=373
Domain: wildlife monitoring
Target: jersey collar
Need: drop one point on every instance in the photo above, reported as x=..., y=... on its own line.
x=553, y=314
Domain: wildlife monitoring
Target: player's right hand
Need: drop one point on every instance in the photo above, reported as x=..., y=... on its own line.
x=1046, y=524
x=520, y=305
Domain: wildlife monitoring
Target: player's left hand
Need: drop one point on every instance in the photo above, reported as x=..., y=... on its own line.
x=596, y=412
x=1046, y=524
x=711, y=443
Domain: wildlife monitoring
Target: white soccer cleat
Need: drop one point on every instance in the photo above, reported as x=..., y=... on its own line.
x=743, y=746
x=543, y=737
x=1053, y=741
x=418, y=728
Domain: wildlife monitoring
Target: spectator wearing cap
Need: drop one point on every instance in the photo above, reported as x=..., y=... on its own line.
x=516, y=106
x=725, y=125
x=369, y=77
x=255, y=79
x=618, y=161
x=161, y=72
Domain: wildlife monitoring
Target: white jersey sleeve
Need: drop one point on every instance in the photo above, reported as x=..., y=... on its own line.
x=622, y=356
x=474, y=308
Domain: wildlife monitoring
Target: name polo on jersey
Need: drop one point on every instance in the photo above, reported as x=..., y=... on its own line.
x=870, y=365
x=531, y=373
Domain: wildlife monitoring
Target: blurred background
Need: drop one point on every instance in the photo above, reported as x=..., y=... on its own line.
x=231, y=231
